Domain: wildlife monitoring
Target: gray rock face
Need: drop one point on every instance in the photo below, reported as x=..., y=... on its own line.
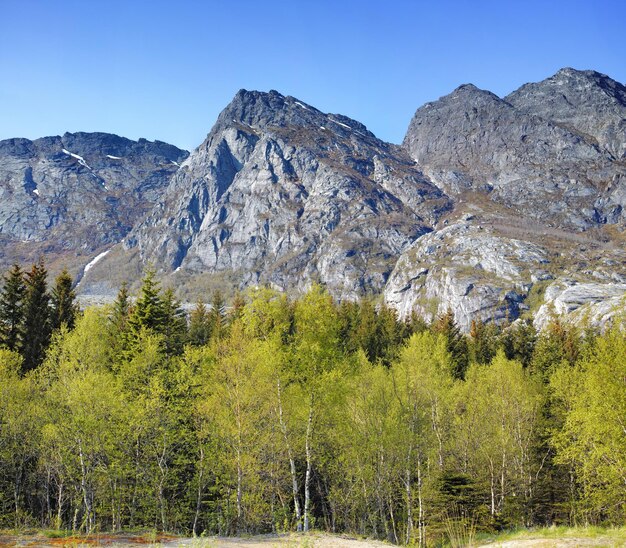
x=76, y=193
x=282, y=193
x=585, y=102
x=487, y=203
x=529, y=152
x=595, y=303
x=468, y=269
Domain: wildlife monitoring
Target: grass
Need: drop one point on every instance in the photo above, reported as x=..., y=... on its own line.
x=612, y=534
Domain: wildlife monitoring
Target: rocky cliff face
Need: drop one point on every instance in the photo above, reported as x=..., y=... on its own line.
x=539, y=167
x=282, y=193
x=540, y=175
x=582, y=101
x=75, y=194
x=492, y=207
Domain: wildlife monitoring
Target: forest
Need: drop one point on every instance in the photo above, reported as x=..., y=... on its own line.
x=273, y=413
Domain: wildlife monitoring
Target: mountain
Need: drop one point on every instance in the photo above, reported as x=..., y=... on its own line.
x=69, y=197
x=539, y=186
x=284, y=194
x=494, y=207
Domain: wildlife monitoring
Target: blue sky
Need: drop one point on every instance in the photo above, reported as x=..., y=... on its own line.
x=165, y=69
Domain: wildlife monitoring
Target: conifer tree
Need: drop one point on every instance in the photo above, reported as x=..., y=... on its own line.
x=366, y=330
x=348, y=315
x=148, y=311
x=483, y=341
x=199, y=326
x=456, y=343
x=12, y=308
x=237, y=307
x=36, y=316
x=64, y=309
x=121, y=309
x=217, y=315
x=519, y=341
x=558, y=342
x=174, y=324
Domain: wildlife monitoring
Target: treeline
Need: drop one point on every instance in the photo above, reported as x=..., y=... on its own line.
x=275, y=414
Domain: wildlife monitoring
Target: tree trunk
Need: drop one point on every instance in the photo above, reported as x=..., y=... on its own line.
x=199, y=494
x=59, y=519
x=420, y=516
x=292, y=462
x=85, y=489
x=307, y=477
x=409, y=497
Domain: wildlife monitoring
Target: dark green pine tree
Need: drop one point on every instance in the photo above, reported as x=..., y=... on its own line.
x=36, y=317
x=12, y=308
x=238, y=304
x=390, y=333
x=519, y=340
x=64, y=308
x=217, y=315
x=455, y=343
x=348, y=315
x=483, y=342
x=199, y=326
x=121, y=310
x=174, y=324
x=148, y=311
x=366, y=334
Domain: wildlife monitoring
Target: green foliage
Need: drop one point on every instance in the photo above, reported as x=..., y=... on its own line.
x=148, y=311
x=283, y=415
x=456, y=344
x=64, y=308
x=12, y=309
x=199, y=325
x=37, y=325
x=593, y=401
x=519, y=342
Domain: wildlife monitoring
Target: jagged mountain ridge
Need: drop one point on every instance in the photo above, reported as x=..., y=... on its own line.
x=282, y=193
x=540, y=179
x=490, y=206
x=70, y=195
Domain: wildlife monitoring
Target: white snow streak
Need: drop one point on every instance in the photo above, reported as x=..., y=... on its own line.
x=339, y=123
x=89, y=265
x=36, y=192
x=175, y=163
x=301, y=105
x=322, y=127
x=113, y=157
x=80, y=159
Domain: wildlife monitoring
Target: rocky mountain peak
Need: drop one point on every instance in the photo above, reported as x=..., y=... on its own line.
x=77, y=193
x=583, y=101
x=266, y=110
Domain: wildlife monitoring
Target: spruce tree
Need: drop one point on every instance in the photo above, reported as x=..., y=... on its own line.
x=12, y=308
x=483, y=343
x=239, y=302
x=148, y=311
x=64, y=308
x=519, y=341
x=217, y=315
x=174, y=324
x=121, y=310
x=199, y=326
x=456, y=343
x=36, y=317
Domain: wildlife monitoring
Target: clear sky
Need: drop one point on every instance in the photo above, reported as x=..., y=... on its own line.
x=165, y=69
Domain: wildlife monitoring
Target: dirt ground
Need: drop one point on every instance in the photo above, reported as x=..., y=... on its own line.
x=125, y=541
x=314, y=540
